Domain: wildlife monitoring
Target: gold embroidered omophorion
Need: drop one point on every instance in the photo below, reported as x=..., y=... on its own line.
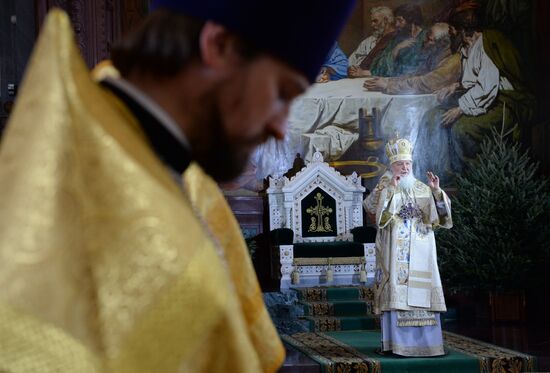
x=104, y=265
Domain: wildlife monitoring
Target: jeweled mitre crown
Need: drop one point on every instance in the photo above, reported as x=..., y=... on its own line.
x=399, y=150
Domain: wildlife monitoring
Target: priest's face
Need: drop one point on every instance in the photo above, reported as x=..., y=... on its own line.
x=401, y=168
x=242, y=111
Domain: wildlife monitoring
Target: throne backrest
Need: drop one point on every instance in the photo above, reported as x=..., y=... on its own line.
x=318, y=203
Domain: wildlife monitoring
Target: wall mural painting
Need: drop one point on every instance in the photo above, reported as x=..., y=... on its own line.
x=441, y=73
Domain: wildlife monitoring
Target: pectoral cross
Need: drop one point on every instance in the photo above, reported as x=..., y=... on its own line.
x=319, y=211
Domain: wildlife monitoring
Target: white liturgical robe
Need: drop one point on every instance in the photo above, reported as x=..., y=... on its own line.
x=407, y=275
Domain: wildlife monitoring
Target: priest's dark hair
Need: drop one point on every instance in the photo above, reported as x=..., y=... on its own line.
x=164, y=44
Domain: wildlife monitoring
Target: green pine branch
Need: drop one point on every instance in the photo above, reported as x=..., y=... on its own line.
x=500, y=236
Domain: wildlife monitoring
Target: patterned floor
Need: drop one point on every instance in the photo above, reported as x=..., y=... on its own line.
x=355, y=351
x=321, y=311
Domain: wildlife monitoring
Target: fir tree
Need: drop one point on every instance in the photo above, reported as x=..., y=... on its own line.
x=500, y=239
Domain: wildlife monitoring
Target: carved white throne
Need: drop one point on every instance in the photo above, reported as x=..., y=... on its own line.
x=320, y=205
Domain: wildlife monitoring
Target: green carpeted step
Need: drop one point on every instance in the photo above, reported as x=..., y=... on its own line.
x=326, y=324
x=330, y=293
x=337, y=308
x=354, y=351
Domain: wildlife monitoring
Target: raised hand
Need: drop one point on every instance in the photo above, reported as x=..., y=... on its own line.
x=395, y=180
x=433, y=180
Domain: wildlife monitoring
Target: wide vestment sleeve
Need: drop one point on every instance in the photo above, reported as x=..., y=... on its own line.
x=371, y=203
x=211, y=204
x=444, y=211
x=104, y=264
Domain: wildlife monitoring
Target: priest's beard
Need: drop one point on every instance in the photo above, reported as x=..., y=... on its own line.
x=211, y=147
x=407, y=182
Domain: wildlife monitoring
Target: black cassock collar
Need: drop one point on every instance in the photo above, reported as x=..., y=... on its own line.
x=168, y=148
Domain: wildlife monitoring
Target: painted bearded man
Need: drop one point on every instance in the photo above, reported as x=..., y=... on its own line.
x=409, y=295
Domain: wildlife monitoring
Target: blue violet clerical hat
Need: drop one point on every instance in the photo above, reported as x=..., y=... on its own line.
x=298, y=32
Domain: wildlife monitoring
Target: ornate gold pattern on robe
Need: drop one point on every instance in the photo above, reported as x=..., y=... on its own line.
x=104, y=265
x=394, y=240
x=212, y=206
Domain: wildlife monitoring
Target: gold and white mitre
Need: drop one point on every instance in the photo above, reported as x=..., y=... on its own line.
x=399, y=150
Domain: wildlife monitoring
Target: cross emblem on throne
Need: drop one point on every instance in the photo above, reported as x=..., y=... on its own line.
x=319, y=222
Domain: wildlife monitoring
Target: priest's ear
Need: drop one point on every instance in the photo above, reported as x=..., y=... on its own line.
x=220, y=49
